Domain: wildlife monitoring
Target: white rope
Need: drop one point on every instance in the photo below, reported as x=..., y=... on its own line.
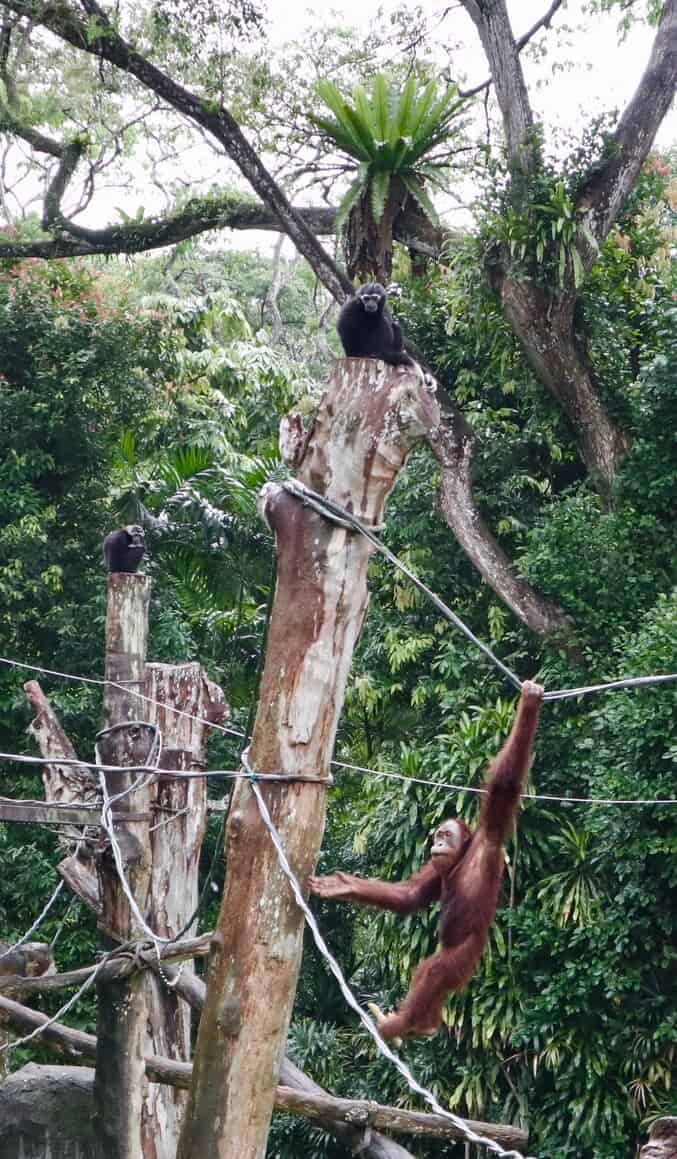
x=367, y=1022
x=15, y=1042
x=237, y=774
x=124, y=688
x=38, y=922
x=345, y=518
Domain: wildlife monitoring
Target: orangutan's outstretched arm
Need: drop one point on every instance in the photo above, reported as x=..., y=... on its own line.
x=404, y=897
x=508, y=771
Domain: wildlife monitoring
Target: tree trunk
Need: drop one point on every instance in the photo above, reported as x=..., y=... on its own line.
x=369, y=243
x=368, y=421
x=545, y=326
x=121, y=1085
x=180, y=813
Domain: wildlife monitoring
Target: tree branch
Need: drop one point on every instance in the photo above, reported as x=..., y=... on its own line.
x=490, y=17
x=607, y=190
x=452, y=445
x=347, y=1118
x=101, y=40
x=544, y=22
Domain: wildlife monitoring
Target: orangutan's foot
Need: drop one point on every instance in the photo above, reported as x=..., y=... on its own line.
x=382, y=1021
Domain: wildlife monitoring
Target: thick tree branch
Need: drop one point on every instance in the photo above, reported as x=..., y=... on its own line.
x=199, y=215
x=52, y=216
x=101, y=40
x=544, y=22
x=493, y=25
x=607, y=190
x=452, y=445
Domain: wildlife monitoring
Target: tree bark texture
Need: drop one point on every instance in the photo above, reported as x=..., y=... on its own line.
x=493, y=25
x=123, y=1005
x=545, y=327
x=662, y=1140
x=180, y=812
x=368, y=421
x=369, y=242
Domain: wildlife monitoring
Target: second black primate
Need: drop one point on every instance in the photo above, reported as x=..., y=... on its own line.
x=123, y=549
x=367, y=329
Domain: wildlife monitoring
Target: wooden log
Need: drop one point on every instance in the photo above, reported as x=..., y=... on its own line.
x=63, y=785
x=184, y=703
x=368, y=421
x=316, y=1105
x=121, y=1085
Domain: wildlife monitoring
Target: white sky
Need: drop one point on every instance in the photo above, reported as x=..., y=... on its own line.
x=604, y=75
x=584, y=71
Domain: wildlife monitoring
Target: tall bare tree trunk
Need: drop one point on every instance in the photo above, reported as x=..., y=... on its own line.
x=368, y=421
x=120, y=1083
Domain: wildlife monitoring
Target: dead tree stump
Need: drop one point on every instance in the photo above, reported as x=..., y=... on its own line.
x=368, y=421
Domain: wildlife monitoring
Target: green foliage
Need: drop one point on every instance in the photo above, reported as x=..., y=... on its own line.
x=390, y=133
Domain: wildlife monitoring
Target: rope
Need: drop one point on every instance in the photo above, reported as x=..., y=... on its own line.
x=38, y=922
x=367, y=1022
x=238, y=774
x=335, y=513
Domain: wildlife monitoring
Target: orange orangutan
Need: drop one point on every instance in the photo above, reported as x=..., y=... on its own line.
x=464, y=873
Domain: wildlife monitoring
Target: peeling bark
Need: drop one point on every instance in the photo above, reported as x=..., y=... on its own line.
x=366, y=424
x=180, y=813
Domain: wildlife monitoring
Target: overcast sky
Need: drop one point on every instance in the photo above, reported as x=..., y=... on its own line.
x=604, y=75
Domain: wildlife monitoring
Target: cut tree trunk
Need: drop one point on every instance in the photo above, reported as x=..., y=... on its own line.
x=180, y=813
x=367, y=422
x=123, y=1005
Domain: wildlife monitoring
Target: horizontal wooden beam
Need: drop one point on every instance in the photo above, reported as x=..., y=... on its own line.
x=44, y=813
x=77, y=1044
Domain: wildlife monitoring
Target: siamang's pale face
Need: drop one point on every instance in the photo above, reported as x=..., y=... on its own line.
x=135, y=535
x=448, y=840
x=372, y=297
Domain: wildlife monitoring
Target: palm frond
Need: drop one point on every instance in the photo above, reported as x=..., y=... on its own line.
x=350, y=199
x=402, y=120
x=381, y=105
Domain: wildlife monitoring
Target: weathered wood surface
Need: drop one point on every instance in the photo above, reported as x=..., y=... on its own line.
x=123, y=1005
x=367, y=423
x=185, y=704
x=662, y=1142
x=63, y=785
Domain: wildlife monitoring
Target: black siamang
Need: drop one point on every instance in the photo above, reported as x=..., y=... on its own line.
x=123, y=549
x=368, y=330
